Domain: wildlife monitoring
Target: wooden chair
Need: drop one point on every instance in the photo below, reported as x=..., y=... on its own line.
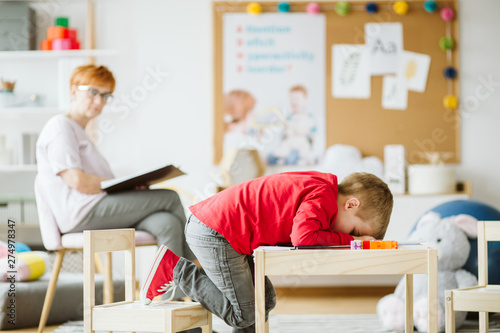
x=131, y=315
x=53, y=240
x=483, y=298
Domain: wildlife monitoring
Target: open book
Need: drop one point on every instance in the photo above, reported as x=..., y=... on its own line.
x=145, y=178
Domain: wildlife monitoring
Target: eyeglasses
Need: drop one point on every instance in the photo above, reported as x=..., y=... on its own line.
x=93, y=92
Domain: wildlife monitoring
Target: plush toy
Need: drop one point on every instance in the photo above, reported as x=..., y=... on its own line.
x=22, y=264
x=449, y=237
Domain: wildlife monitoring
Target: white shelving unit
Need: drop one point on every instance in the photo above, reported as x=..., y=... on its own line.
x=37, y=54
x=45, y=74
x=18, y=112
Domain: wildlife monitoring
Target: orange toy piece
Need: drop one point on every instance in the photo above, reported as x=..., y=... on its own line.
x=373, y=245
x=46, y=45
x=56, y=32
x=390, y=244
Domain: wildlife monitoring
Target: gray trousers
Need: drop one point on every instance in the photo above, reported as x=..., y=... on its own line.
x=158, y=212
x=226, y=287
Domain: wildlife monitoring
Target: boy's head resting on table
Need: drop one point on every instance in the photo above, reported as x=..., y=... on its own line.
x=364, y=206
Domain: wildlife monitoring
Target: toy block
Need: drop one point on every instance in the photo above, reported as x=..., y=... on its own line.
x=389, y=244
x=62, y=22
x=356, y=245
x=366, y=245
x=72, y=34
x=56, y=32
x=376, y=245
x=61, y=44
x=75, y=45
x=46, y=45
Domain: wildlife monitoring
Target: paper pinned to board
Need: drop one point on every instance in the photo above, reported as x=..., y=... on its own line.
x=385, y=45
x=350, y=74
x=394, y=93
x=414, y=69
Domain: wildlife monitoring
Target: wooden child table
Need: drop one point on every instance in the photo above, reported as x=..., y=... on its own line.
x=407, y=260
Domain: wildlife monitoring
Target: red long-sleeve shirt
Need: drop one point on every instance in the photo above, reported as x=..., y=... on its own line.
x=297, y=208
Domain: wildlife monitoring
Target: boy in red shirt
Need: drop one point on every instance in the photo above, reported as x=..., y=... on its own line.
x=292, y=208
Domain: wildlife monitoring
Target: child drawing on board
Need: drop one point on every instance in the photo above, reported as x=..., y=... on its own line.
x=296, y=146
x=238, y=105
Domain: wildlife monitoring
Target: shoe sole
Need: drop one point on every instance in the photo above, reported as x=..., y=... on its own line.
x=159, y=255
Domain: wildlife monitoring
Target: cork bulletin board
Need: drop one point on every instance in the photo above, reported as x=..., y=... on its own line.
x=425, y=126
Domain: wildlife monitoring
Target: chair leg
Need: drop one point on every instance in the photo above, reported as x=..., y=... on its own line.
x=449, y=312
x=483, y=322
x=108, y=279
x=98, y=264
x=207, y=328
x=51, y=290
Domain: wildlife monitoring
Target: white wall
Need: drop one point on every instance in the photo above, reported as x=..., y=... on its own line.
x=479, y=53
x=174, y=122
x=170, y=118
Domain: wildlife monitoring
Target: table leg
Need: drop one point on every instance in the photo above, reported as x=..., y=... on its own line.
x=450, y=313
x=409, y=303
x=260, y=303
x=432, y=290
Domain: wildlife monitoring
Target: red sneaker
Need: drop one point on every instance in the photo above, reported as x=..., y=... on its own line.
x=161, y=275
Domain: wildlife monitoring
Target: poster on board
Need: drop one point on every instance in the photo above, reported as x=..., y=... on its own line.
x=274, y=86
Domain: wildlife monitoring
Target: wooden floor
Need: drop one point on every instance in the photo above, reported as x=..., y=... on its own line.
x=311, y=301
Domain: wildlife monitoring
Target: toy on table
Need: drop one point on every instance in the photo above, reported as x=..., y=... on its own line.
x=373, y=245
x=357, y=245
x=61, y=37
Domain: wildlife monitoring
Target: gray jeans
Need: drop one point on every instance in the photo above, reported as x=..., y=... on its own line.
x=226, y=287
x=159, y=212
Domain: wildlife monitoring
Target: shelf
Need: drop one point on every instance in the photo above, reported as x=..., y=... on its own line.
x=16, y=112
x=18, y=167
x=36, y=54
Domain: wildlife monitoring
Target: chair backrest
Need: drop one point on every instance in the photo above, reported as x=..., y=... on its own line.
x=487, y=231
x=108, y=240
x=51, y=236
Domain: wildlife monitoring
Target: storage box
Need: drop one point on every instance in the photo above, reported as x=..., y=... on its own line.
x=17, y=27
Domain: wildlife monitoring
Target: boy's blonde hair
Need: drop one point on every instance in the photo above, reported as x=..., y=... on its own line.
x=92, y=75
x=375, y=199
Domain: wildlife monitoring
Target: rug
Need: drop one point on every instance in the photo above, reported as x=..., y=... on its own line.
x=355, y=323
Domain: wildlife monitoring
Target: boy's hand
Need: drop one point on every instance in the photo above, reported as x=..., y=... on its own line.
x=364, y=238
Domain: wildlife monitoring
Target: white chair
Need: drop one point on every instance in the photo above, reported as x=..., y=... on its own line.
x=483, y=298
x=131, y=315
x=54, y=241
